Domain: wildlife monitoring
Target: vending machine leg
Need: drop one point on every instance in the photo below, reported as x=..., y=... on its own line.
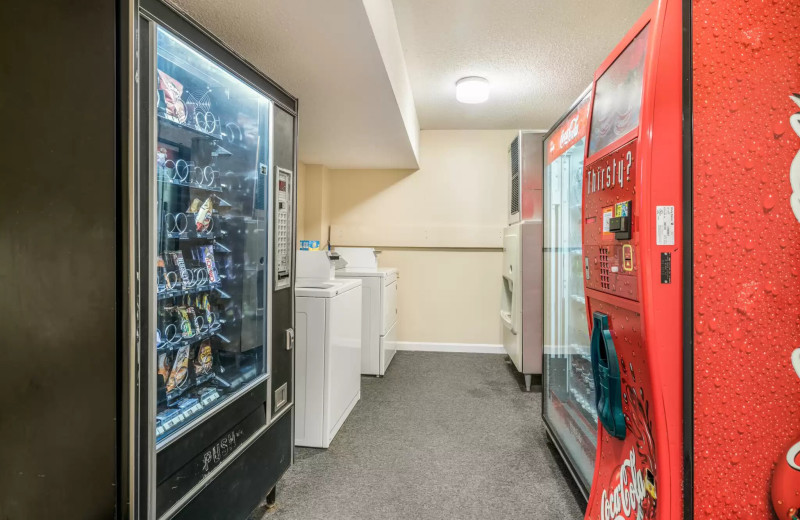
x=528, y=378
x=272, y=497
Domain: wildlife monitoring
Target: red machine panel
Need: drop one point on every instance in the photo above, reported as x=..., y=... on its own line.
x=610, y=186
x=632, y=270
x=569, y=132
x=626, y=470
x=746, y=172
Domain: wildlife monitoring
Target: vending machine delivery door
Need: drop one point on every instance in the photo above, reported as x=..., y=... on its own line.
x=605, y=369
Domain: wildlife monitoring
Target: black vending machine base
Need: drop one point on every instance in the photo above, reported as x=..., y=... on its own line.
x=243, y=485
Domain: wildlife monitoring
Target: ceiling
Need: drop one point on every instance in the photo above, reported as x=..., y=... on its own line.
x=538, y=55
x=360, y=67
x=325, y=53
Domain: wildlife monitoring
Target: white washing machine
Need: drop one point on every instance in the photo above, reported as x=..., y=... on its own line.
x=328, y=352
x=379, y=306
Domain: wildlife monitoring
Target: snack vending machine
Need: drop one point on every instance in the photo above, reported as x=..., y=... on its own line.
x=632, y=262
x=214, y=233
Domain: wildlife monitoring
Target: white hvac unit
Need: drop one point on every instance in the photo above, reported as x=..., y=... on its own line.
x=521, y=300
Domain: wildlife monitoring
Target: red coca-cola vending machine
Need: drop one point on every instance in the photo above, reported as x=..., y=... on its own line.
x=632, y=260
x=692, y=276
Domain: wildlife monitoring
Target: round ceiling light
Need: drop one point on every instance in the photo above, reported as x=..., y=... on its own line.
x=472, y=89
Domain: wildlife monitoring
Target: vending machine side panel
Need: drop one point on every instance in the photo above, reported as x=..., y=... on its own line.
x=745, y=85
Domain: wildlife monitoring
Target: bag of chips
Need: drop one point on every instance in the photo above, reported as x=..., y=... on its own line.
x=180, y=369
x=204, y=303
x=187, y=322
x=163, y=367
x=203, y=361
x=173, y=91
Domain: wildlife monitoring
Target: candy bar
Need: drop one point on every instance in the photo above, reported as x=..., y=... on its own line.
x=211, y=266
x=203, y=217
x=177, y=259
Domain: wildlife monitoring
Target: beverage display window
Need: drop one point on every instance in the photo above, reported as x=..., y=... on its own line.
x=568, y=396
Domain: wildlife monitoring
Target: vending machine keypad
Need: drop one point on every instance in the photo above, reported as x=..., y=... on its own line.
x=283, y=227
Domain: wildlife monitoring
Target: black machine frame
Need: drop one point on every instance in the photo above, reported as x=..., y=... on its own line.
x=688, y=264
x=152, y=478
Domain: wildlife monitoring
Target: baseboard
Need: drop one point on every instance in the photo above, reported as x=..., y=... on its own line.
x=470, y=348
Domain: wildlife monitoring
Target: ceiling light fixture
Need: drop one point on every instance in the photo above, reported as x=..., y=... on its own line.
x=472, y=89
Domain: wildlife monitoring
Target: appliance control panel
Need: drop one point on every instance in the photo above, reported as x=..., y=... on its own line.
x=610, y=238
x=283, y=233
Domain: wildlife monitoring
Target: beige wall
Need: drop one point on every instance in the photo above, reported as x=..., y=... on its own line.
x=316, y=204
x=462, y=181
x=450, y=288
x=447, y=296
x=301, y=202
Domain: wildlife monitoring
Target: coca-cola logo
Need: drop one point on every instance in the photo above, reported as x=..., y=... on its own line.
x=794, y=451
x=570, y=132
x=626, y=498
x=794, y=172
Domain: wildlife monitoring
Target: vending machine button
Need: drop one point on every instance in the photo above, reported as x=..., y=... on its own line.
x=627, y=257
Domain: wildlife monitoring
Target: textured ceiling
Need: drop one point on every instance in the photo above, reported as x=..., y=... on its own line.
x=538, y=55
x=324, y=52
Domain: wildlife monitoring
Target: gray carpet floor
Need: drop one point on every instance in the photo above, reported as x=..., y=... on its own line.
x=440, y=436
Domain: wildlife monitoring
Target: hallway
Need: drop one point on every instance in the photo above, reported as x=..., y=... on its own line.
x=441, y=436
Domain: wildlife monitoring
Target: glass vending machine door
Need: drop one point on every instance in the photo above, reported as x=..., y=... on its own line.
x=568, y=384
x=211, y=172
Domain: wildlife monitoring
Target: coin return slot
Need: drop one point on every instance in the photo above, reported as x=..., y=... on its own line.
x=281, y=396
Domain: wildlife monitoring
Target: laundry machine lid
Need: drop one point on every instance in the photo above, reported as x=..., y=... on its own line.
x=315, y=288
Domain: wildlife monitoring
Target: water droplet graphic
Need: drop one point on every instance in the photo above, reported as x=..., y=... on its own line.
x=768, y=202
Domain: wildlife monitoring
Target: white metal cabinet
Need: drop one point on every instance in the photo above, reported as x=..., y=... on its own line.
x=310, y=379
x=388, y=347
x=389, y=307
